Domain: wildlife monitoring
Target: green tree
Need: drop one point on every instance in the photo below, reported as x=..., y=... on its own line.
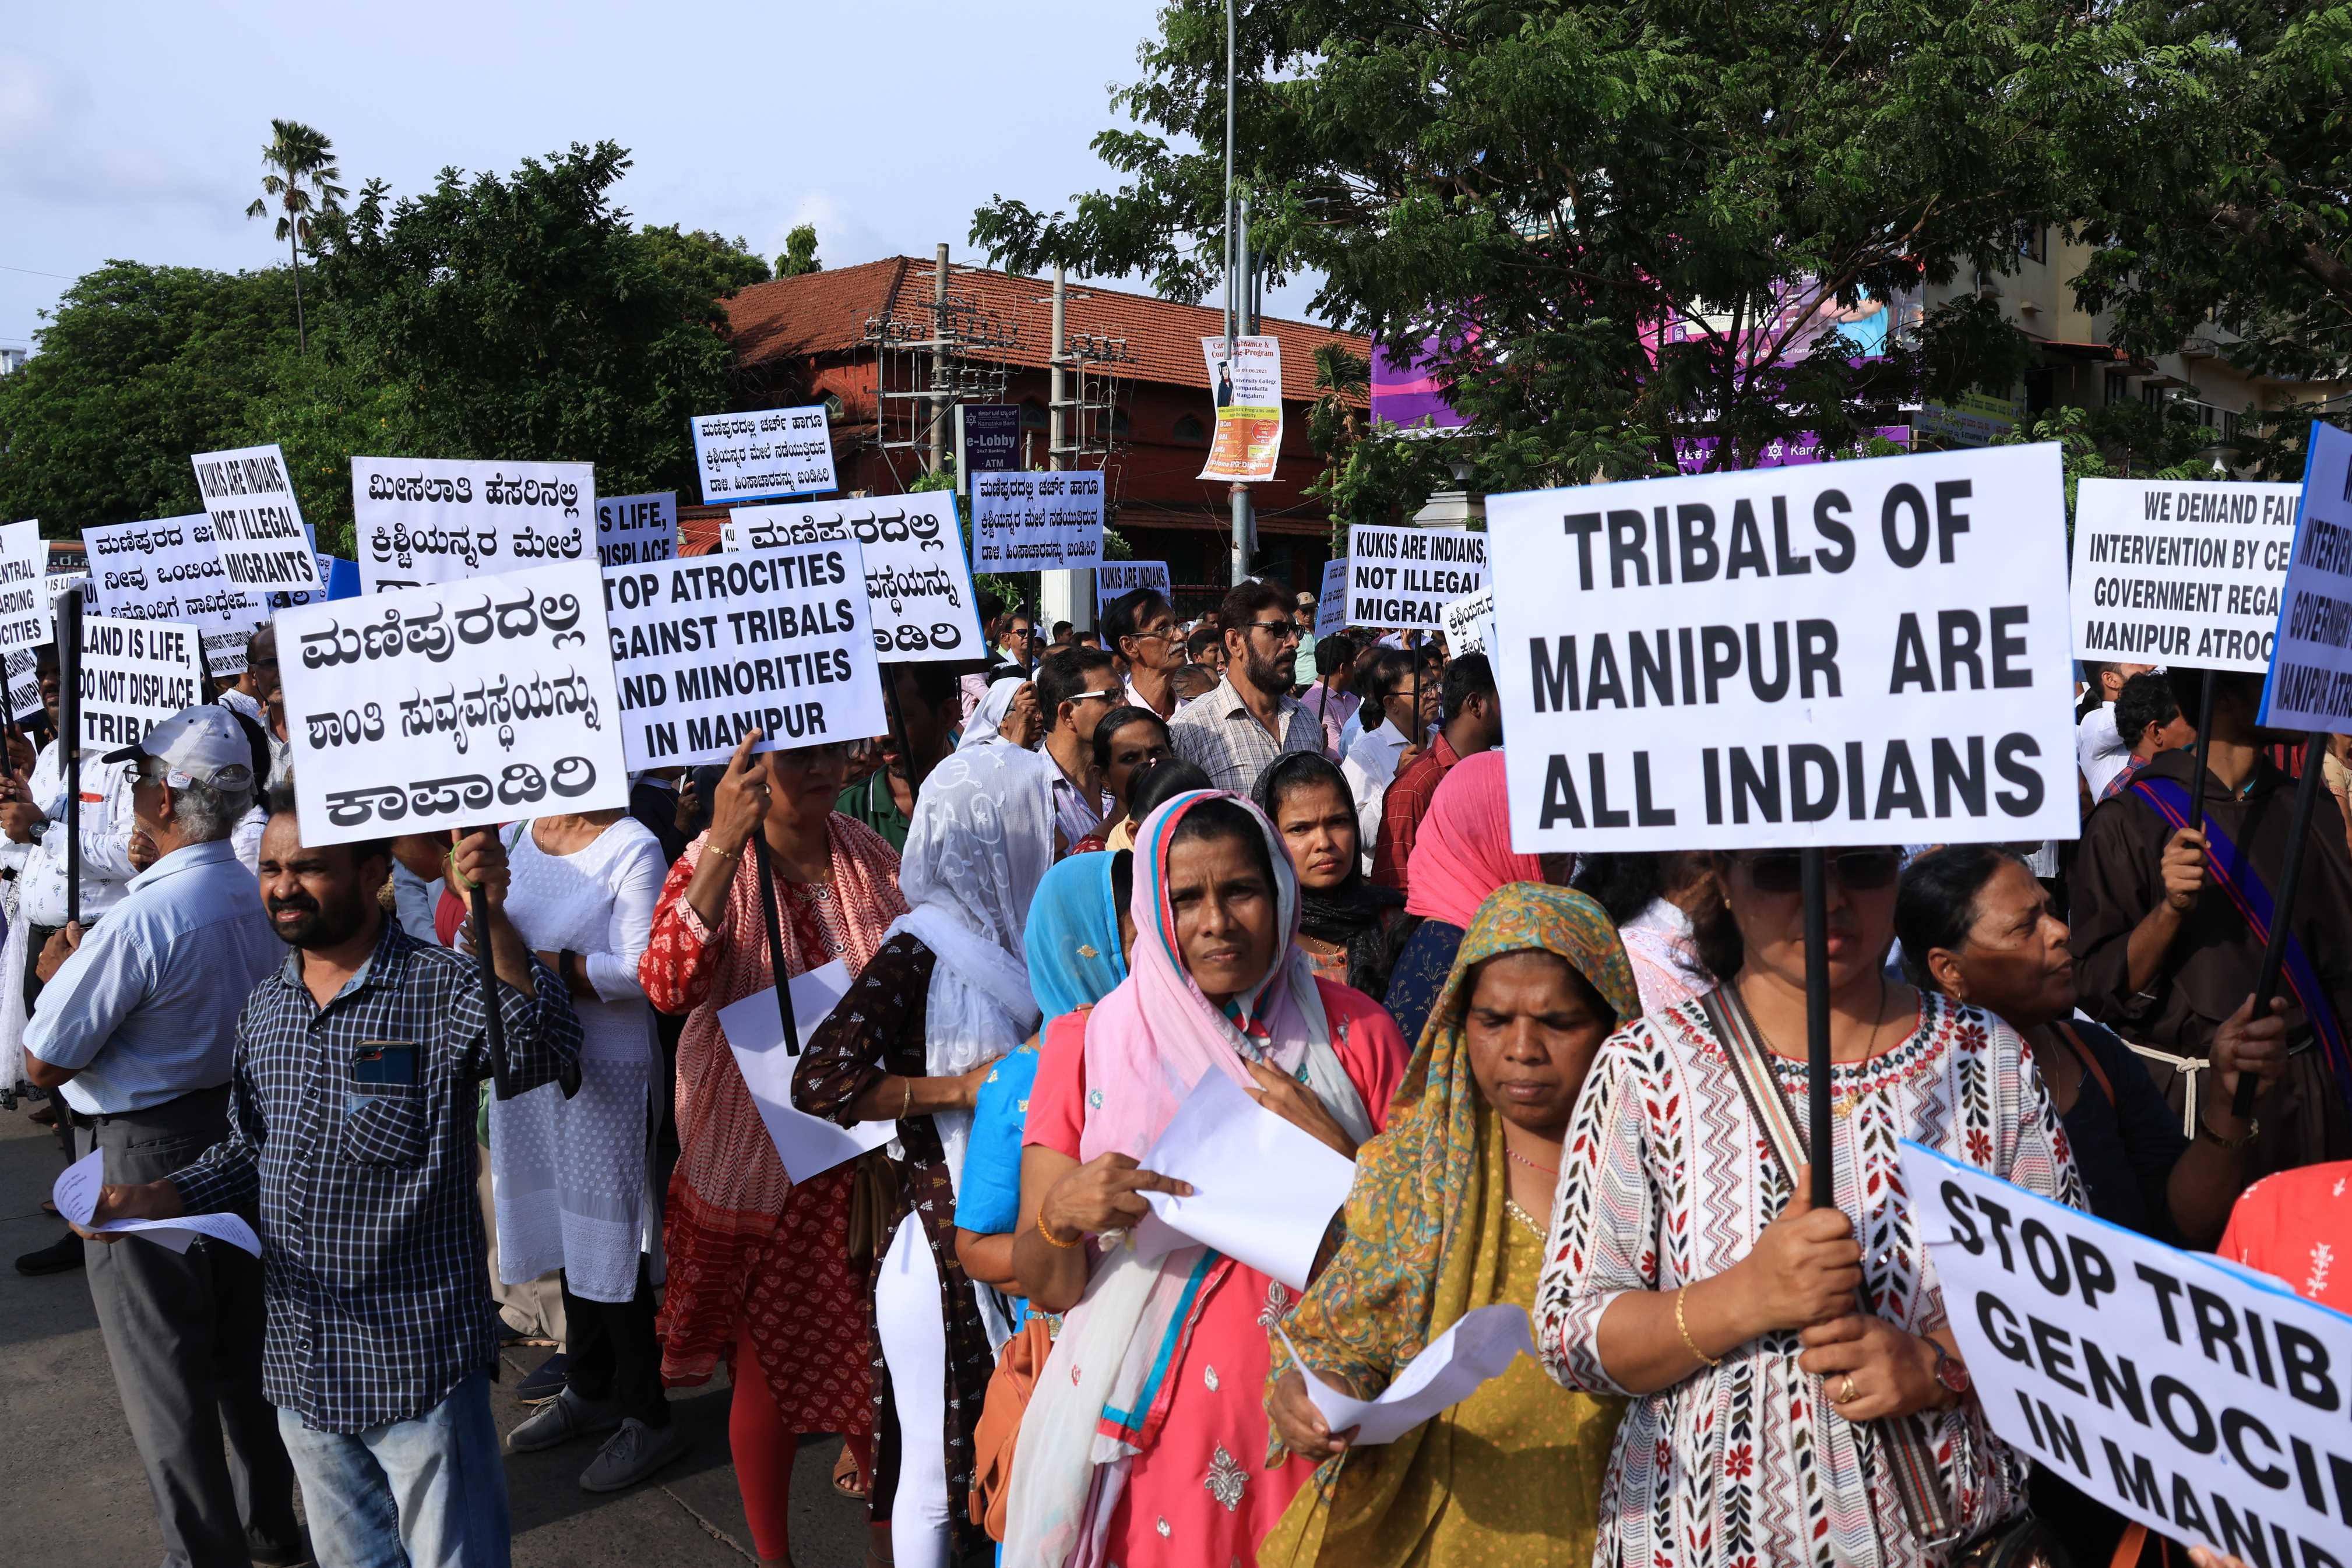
x=523, y=318
x=705, y=260
x=1614, y=226
x=799, y=253
x=301, y=182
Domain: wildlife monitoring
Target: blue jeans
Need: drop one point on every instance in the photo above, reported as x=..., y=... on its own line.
x=427, y=1492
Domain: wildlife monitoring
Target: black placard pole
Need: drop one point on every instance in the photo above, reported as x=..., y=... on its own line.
x=898, y=732
x=2299, y=835
x=68, y=618
x=775, y=938
x=485, y=969
x=2205, y=685
x=1813, y=864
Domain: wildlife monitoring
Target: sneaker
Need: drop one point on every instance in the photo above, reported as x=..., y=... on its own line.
x=543, y=1384
x=630, y=1455
x=61, y=1255
x=561, y=1419
x=269, y=1553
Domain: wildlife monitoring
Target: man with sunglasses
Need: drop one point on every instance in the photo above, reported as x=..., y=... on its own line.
x=1249, y=718
x=1076, y=687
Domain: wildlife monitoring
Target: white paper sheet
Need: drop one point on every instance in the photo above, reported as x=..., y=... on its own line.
x=1478, y=1348
x=809, y=1145
x=76, y=1196
x=1263, y=1191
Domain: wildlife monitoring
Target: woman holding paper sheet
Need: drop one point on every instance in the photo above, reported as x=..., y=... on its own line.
x=1442, y=1221
x=759, y=1272
x=945, y=998
x=1164, y=1359
x=1688, y=1270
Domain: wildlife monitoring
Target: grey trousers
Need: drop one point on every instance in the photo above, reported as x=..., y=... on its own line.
x=183, y=1332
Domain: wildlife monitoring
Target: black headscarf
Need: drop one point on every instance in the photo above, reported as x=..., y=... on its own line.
x=1356, y=914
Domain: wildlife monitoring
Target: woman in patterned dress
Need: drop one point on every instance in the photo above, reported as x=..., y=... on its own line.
x=1442, y=1223
x=1688, y=1270
x=1144, y=1442
x=759, y=1272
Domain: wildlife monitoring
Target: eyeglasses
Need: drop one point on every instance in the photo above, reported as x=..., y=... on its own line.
x=1864, y=871
x=1284, y=630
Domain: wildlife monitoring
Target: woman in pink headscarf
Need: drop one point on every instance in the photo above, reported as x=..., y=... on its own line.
x=1463, y=855
x=1144, y=1443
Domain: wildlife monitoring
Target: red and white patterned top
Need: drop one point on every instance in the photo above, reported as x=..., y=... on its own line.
x=2297, y=1227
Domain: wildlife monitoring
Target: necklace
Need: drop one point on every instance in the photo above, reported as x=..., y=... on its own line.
x=1842, y=1104
x=1511, y=1206
x=1518, y=1158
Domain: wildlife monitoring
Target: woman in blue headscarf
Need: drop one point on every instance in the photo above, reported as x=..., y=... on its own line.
x=1075, y=942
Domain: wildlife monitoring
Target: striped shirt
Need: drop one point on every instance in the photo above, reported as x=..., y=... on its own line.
x=1217, y=733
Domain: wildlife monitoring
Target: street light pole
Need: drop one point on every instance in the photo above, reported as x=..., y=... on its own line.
x=1236, y=257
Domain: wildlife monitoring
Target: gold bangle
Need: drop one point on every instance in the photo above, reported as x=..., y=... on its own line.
x=908, y=1102
x=1054, y=1240
x=1681, y=1325
x=711, y=849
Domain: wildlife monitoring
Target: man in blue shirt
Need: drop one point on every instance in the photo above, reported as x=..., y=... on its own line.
x=352, y=1122
x=136, y=1032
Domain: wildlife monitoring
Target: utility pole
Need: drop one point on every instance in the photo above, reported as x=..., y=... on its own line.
x=1066, y=595
x=940, y=395
x=1237, y=258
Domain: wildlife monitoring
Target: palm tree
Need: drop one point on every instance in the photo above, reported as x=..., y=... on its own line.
x=302, y=178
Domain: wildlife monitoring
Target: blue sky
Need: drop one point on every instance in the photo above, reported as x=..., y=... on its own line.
x=134, y=129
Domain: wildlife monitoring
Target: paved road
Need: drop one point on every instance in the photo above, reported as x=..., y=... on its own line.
x=78, y=1498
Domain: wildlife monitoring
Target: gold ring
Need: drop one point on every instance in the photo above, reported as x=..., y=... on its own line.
x=1845, y=1389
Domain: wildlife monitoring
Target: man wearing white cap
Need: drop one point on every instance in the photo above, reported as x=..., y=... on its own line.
x=136, y=1029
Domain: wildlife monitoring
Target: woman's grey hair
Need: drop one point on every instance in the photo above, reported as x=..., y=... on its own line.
x=206, y=813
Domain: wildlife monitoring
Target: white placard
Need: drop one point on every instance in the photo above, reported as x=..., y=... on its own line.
x=1401, y=580
x=754, y=1030
x=2205, y=1401
x=452, y=705
x=1478, y=1348
x=919, y=600
x=2310, y=685
x=60, y=584
x=773, y=452
x=633, y=530
x=1858, y=653
x=24, y=600
x=23, y=669
x=1470, y=624
x=1264, y=1191
x=420, y=520
x=170, y=570
x=1331, y=599
x=256, y=523
x=1037, y=522
x=135, y=675
x=707, y=648
x=2171, y=572
x=1117, y=579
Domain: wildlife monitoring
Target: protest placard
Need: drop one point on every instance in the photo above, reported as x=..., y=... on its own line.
x=773, y=452
x=1401, y=580
x=1470, y=624
x=1331, y=599
x=1247, y=387
x=1037, y=522
x=58, y=584
x=23, y=599
x=920, y=601
x=707, y=648
x=2310, y=683
x=1855, y=652
x=23, y=670
x=170, y=570
x=1117, y=579
x=2204, y=1401
x=256, y=523
x=135, y=673
x=420, y=520
x=632, y=530
x=453, y=705
x=2171, y=572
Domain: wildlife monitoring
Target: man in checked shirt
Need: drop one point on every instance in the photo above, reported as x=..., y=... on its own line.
x=352, y=1117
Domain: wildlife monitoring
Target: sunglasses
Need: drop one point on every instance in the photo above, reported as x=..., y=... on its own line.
x=1783, y=871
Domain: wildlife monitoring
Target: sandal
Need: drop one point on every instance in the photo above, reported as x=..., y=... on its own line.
x=845, y=1478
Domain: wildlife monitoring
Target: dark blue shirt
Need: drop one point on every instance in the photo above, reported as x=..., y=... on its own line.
x=372, y=1257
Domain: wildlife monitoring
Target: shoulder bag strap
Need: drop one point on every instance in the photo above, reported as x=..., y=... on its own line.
x=2088, y=1058
x=1917, y=1481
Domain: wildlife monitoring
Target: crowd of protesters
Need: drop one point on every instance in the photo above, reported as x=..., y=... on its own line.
x=1076, y=879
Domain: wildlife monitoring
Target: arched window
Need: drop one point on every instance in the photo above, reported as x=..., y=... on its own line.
x=1189, y=428
x=1033, y=415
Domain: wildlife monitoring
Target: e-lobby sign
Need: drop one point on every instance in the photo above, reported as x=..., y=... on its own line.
x=2202, y=1400
x=1869, y=652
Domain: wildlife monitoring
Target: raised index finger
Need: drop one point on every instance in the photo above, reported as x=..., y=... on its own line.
x=740, y=762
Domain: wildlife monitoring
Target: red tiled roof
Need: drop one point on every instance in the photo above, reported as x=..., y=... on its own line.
x=826, y=312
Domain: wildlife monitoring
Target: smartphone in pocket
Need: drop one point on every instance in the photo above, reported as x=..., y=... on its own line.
x=385, y=1062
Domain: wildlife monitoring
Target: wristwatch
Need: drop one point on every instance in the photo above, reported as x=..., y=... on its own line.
x=1951, y=1372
